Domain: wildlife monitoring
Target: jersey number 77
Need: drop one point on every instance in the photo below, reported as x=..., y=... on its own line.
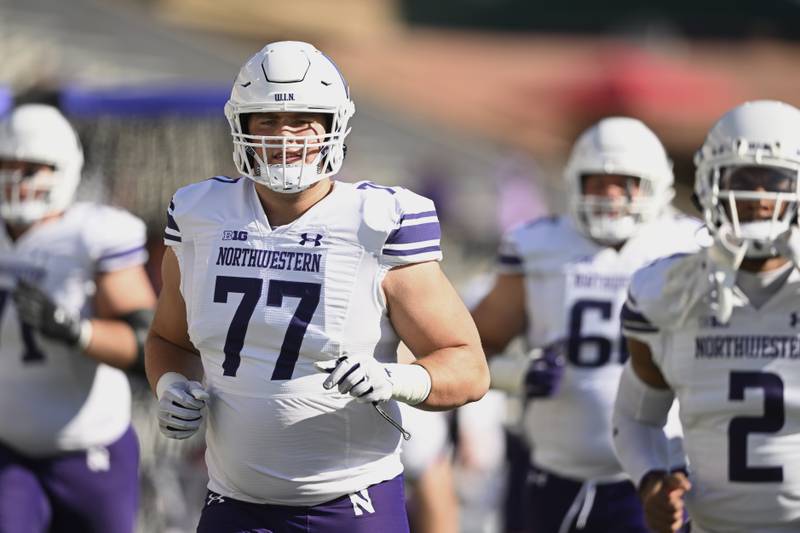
x=250, y=288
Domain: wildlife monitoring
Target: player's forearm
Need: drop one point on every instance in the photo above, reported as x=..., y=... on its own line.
x=112, y=342
x=459, y=375
x=162, y=356
x=640, y=412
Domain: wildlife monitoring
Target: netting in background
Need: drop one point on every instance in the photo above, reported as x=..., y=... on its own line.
x=142, y=145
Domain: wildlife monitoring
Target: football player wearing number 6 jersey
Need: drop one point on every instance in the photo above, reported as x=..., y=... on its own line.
x=718, y=330
x=285, y=297
x=75, y=305
x=562, y=283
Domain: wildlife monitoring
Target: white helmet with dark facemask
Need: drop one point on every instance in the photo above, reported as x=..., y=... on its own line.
x=751, y=155
x=289, y=76
x=38, y=134
x=626, y=147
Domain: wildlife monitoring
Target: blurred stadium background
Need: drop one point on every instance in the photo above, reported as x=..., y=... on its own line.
x=471, y=102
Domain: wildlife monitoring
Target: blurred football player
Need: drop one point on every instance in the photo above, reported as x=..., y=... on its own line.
x=562, y=283
x=75, y=305
x=286, y=294
x=718, y=329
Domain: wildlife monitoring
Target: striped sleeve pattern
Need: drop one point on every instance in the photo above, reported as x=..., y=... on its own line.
x=634, y=323
x=416, y=239
x=172, y=233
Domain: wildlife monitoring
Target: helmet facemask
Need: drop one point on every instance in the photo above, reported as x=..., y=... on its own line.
x=622, y=149
x=612, y=220
x=752, y=207
x=27, y=194
x=289, y=77
x=286, y=163
x=40, y=164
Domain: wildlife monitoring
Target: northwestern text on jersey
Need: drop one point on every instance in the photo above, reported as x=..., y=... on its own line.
x=272, y=259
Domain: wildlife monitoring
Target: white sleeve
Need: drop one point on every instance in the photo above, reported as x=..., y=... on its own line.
x=117, y=240
x=640, y=413
x=416, y=235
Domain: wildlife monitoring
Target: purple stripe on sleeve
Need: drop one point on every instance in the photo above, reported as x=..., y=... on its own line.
x=412, y=216
x=171, y=224
x=413, y=251
x=171, y=205
x=509, y=260
x=121, y=253
x=639, y=328
x=633, y=319
x=172, y=237
x=421, y=232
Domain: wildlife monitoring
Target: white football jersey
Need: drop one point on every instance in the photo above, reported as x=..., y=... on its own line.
x=738, y=385
x=575, y=289
x=54, y=398
x=263, y=304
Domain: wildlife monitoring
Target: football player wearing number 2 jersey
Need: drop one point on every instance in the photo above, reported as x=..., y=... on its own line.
x=285, y=296
x=718, y=330
x=562, y=283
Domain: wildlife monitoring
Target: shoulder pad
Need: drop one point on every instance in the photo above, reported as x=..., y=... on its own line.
x=404, y=225
x=114, y=237
x=193, y=201
x=662, y=294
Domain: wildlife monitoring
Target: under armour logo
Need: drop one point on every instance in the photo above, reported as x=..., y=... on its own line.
x=214, y=498
x=316, y=240
x=793, y=320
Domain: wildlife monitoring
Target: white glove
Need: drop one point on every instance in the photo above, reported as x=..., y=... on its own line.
x=180, y=404
x=367, y=380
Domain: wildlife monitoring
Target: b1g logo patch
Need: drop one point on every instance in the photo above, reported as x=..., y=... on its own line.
x=234, y=235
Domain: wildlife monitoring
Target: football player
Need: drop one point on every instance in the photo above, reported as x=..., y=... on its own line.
x=285, y=296
x=718, y=329
x=75, y=305
x=562, y=283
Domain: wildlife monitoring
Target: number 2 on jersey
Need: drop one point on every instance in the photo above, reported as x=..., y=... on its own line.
x=250, y=289
x=741, y=426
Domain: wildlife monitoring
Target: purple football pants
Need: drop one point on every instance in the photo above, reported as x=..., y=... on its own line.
x=561, y=505
x=87, y=491
x=379, y=508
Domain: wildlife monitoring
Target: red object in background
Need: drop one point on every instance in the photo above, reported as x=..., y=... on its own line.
x=630, y=81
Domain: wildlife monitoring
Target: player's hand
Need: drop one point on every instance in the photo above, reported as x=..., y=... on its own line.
x=180, y=405
x=662, y=499
x=366, y=380
x=544, y=373
x=37, y=310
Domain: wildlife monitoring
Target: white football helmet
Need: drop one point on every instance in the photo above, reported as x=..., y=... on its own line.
x=622, y=146
x=765, y=136
x=38, y=133
x=289, y=76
